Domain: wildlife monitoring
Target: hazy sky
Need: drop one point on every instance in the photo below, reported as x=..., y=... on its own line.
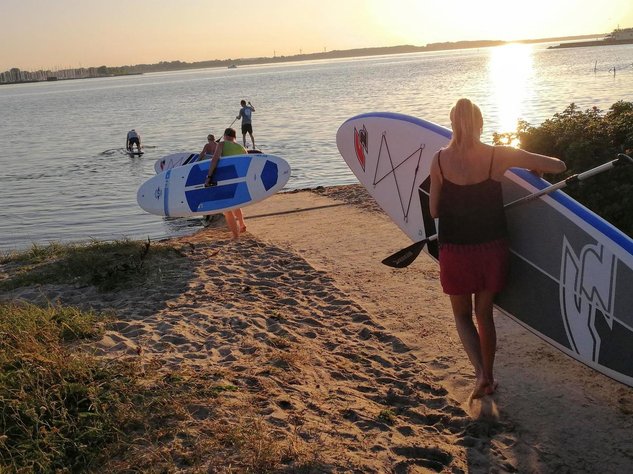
x=52, y=34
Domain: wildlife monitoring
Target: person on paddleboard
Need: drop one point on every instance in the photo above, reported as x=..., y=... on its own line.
x=228, y=147
x=133, y=138
x=466, y=196
x=245, y=114
x=209, y=148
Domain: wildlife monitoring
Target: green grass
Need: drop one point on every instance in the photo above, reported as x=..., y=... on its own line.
x=108, y=266
x=56, y=403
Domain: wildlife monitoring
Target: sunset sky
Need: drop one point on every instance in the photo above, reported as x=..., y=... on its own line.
x=56, y=34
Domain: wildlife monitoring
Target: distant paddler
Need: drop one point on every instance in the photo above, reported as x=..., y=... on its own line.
x=133, y=138
x=245, y=114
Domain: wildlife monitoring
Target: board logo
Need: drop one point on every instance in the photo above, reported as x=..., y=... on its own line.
x=158, y=193
x=587, y=292
x=360, y=145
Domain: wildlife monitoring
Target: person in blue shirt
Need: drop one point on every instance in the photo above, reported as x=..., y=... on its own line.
x=245, y=114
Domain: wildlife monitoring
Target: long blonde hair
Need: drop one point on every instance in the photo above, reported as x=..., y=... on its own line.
x=467, y=123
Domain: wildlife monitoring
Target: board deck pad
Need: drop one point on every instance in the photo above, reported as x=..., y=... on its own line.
x=571, y=272
x=238, y=181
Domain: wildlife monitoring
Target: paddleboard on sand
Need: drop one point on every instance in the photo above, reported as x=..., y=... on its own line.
x=571, y=276
x=239, y=180
x=179, y=159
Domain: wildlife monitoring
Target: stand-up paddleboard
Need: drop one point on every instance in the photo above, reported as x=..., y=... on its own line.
x=239, y=180
x=179, y=159
x=176, y=159
x=134, y=153
x=571, y=271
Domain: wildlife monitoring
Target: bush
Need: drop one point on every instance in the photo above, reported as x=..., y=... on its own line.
x=584, y=140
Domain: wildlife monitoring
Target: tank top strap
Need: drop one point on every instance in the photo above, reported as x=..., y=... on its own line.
x=492, y=158
x=439, y=163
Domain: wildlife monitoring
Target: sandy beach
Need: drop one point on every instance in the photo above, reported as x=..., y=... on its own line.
x=356, y=362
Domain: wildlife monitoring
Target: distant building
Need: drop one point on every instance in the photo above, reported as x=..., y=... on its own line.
x=15, y=75
x=620, y=34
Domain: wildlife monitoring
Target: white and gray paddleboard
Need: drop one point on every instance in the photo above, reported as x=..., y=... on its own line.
x=571, y=277
x=175, y=159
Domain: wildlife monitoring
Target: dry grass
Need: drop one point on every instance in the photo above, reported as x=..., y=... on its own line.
x=106, y=265
x=67, y=410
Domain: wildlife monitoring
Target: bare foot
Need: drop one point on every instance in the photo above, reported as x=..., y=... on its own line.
x=243, y=229
x=491, y=387
x=480, y=389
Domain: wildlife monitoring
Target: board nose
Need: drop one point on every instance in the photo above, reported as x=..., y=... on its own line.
x=150, y=197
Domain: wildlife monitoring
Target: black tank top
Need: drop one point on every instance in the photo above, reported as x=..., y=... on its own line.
x=471, y=213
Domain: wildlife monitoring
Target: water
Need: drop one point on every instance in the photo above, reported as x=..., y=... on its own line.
x=66, y=177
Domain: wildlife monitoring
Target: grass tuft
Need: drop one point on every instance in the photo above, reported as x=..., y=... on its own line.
x=106, y=265
x=56, y=402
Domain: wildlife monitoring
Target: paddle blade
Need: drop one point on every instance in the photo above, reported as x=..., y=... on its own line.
x=406, y=256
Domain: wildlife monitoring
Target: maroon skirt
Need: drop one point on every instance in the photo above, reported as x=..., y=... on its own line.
x=467, y=269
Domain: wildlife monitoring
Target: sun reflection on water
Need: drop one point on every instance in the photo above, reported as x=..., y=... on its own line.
x=510, y=69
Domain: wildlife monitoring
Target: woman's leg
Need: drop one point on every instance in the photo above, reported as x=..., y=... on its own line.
x=240, y=219
x=487, y=336
x=232, y=224
x=462, y=310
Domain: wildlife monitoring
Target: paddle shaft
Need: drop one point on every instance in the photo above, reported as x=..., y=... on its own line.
x=620, y=160
x=218, y=140
x=407, y=255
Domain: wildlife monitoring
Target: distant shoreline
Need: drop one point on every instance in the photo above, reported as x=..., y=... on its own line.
x=345, y=53
x=58, y=79
x=165, y=66
x=586, y=44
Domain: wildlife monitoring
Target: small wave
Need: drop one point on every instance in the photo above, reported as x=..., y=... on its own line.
x=112, y=151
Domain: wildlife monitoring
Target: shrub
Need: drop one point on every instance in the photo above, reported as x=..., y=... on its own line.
x=584, y=140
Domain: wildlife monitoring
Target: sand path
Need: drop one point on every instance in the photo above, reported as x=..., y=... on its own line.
x=556, y=414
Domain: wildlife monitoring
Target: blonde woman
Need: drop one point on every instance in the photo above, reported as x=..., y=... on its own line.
x=209, y=148
x=466, y=197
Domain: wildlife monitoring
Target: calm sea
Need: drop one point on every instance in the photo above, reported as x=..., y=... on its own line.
x=65, y=176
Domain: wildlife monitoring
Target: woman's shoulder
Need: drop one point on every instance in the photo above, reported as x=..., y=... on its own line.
x=505, y=150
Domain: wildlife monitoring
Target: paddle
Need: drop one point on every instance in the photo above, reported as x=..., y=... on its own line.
x=405, y=257
x=218, y=140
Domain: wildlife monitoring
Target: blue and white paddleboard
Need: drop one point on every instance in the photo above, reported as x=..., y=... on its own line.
x=184, y=158
x=571, y=277
x=240, y=180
